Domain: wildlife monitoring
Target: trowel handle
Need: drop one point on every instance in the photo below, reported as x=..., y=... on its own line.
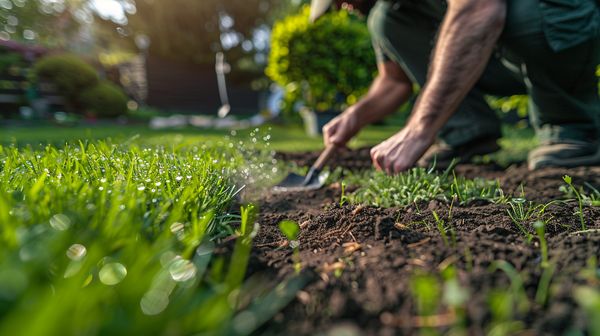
x=325, y=155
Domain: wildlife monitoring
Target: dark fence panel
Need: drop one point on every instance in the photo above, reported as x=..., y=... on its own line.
x=176, y=87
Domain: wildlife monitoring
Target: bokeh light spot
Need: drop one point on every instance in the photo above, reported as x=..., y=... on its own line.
x=154, y=302
x=76, y=252
x=112, y=274
x=60, y=222
x=182, y=270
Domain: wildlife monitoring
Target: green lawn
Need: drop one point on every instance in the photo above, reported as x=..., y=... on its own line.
x=282, y=138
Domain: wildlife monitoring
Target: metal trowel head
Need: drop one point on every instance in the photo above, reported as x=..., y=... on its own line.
x=294, y=182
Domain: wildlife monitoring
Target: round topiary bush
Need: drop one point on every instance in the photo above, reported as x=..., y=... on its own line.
x=105, y=99
x=328, y=64
x=70, y=74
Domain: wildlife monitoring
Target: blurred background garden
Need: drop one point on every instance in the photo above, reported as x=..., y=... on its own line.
x=107, y=68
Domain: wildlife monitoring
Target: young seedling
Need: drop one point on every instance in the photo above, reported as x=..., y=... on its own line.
x=343, y=198
x=542, y=292
x=290, y=230
x=540, y=228
x=440, y=227
x=516, y=286
x=453, y=237
x=567, y=179
x=468, y=258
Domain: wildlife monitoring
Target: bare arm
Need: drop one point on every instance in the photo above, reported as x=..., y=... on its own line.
x=465, y=42
x=390, y=89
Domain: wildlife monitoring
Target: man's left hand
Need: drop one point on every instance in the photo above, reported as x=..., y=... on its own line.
x=400, y=152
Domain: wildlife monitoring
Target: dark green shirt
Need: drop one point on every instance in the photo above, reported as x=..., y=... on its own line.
x=567, y=23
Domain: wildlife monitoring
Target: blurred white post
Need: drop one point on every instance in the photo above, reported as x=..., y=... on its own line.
x=221, y=67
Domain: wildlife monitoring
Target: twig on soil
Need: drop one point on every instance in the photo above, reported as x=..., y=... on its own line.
x=304, y=224
x=419, y=321
x=351, y=235
x=418, y=262
x=347, y=229
x=351, y=247
x=358, y=209
x=419, y=243
x=278, y=244
x=335, y=266
x=448, y=261
x=586, y=231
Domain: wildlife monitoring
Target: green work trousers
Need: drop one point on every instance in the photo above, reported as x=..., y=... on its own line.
x=537, y=54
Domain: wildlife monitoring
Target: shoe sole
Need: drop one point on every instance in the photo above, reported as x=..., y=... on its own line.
x=590, y=160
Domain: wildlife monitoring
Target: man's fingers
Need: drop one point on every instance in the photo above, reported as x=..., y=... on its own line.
x=328, y=132
x=377, y=158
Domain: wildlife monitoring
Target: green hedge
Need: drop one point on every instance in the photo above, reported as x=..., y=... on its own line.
x=70, y=74
x=105, y=99
x=328, y=64
x=78, y=82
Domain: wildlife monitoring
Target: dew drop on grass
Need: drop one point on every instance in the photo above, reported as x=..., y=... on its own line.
x=245, y=322
x=157, y=184
x=518, y=200
x=154, y=302
x=73, y=267
x=76, y=252
x=176, y=228
x=60, y=222
x=167, y=258
x=182, y=270
x=178, y=178
x=205, y=248
x=141, y=188
x=112, y=274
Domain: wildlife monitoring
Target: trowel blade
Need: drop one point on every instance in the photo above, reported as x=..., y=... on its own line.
x=295, y=182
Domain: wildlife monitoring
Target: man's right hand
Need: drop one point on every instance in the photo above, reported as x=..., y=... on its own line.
x=342, y=128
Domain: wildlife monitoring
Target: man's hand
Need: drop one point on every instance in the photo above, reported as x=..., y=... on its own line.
x=342, y=128
x=399, y=153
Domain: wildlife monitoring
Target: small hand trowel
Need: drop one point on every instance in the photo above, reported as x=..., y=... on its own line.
x=313, y=180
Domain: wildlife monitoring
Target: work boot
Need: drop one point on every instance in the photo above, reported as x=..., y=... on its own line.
x=444, y=153
x=565, y=153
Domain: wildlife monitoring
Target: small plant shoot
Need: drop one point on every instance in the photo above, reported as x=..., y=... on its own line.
x=290, y=230
x=567, y=179
x=540, y=228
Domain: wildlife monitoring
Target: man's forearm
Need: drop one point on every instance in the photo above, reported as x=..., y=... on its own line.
x=385, y=96
x=465, y=42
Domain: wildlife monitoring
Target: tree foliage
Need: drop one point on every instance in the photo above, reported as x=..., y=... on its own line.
x=328, y=64
x=192, y=31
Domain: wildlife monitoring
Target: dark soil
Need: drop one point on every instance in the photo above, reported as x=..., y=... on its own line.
x=372, y=295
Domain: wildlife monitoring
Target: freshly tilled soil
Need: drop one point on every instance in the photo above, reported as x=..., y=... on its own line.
x=377, y=252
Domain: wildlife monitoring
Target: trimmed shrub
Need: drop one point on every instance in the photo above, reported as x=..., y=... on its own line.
x=9, y=59
x=70, y=74
x=329, y=64
x=105, y=99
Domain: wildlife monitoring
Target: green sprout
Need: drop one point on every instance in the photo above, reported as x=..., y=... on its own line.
x=516, y=287
x=440, y=228
x=343, y=198
x=469, y=259
x=540, y=228
x=290, y=230
x=519, y=213
x=567, y=179
x=542, y=292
